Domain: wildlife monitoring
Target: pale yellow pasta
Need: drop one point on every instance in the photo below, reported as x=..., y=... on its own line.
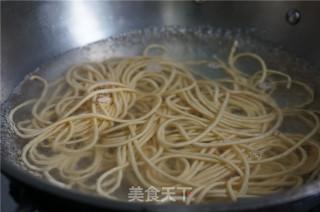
x=152, y=121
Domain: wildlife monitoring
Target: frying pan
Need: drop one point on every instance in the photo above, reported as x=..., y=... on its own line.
x=35, y=32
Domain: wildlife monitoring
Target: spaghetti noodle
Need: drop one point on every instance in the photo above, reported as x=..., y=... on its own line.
x=156, y=122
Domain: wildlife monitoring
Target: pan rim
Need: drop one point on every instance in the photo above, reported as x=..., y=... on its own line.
x=295, y=194
x=264, y=202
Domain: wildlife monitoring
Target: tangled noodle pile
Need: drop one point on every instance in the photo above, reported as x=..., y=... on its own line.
x=156, y=122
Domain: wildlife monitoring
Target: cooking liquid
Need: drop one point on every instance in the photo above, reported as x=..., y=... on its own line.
x=182, y=44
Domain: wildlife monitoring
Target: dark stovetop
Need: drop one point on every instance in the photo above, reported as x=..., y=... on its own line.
x=18, y=198
x=7, y=202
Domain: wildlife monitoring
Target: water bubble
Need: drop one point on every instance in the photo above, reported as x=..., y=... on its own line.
x=265, y=85
x=105, y=99
x=255, y=154
x=154, y=67
x=228, y=34
x=277, y=133
x=183, y=30
x=214, y=65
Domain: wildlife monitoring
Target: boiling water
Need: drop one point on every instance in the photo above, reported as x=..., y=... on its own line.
x=182, y=44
